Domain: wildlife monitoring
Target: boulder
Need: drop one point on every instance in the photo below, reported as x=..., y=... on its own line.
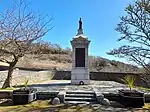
x=105, y=102
x=56, y=101
x=99, y=97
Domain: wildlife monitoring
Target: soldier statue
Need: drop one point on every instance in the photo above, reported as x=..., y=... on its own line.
x=80, y=24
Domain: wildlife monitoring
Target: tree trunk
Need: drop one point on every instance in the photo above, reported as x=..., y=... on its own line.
x=146, y=79
x=8, y=81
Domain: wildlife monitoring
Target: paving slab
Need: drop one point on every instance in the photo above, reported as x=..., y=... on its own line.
x=60, y=85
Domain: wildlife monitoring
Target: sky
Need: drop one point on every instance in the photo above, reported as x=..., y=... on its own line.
x=100, y=18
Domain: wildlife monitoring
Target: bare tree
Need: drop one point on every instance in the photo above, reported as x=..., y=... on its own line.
x=19, y=28
x=135, y=29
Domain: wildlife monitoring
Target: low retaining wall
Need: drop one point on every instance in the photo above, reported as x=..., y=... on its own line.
x=20, y=78
x=5, y=94
x=110, y=76
x=101, y=76
x=51, y=95
x=32, y=78
x=59, y=75
x=46, y=95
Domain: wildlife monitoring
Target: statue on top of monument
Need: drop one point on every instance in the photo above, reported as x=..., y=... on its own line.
x=80, y=24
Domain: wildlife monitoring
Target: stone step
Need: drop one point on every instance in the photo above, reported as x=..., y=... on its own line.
x=79, y=102
x=80, y=92
x=80, y=95
x=80, y=99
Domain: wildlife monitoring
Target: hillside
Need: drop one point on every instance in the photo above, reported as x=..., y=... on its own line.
x=45, y=55
x=63, y=62
x=49, y=56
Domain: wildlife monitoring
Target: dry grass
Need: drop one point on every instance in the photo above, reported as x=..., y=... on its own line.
x=50, y=64
x=45, y=62
x=37, y=105
x=147, y=106
x=44, y=106
x=3, y=64
x=63, y=61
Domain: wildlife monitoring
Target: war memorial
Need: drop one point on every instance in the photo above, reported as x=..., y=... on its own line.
x=81, y=87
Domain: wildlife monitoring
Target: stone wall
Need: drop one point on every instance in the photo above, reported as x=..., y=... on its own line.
x=3, y=75
x=60, y=75
x=111, y=76
x=33, y=78
x=101, y=76
x=20, y=76
x=39, y=76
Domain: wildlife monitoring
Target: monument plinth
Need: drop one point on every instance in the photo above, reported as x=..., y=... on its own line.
x=80, y=71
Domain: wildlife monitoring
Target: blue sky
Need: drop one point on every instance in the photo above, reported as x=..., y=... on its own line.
x=100, y=18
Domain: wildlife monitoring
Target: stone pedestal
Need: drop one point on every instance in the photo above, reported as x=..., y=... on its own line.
x=80, y=71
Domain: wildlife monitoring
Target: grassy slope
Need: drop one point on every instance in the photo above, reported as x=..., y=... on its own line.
x=63, y=61
x=49, y=56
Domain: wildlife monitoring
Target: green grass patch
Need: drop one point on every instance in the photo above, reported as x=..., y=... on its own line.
x=147, y=106
x=143, y=88
x=8, y=89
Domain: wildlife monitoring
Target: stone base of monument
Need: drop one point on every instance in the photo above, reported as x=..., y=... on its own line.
x=80, y=76
x=80, y=82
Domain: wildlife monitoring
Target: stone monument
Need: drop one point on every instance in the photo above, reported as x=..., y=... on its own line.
x=80, y=71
